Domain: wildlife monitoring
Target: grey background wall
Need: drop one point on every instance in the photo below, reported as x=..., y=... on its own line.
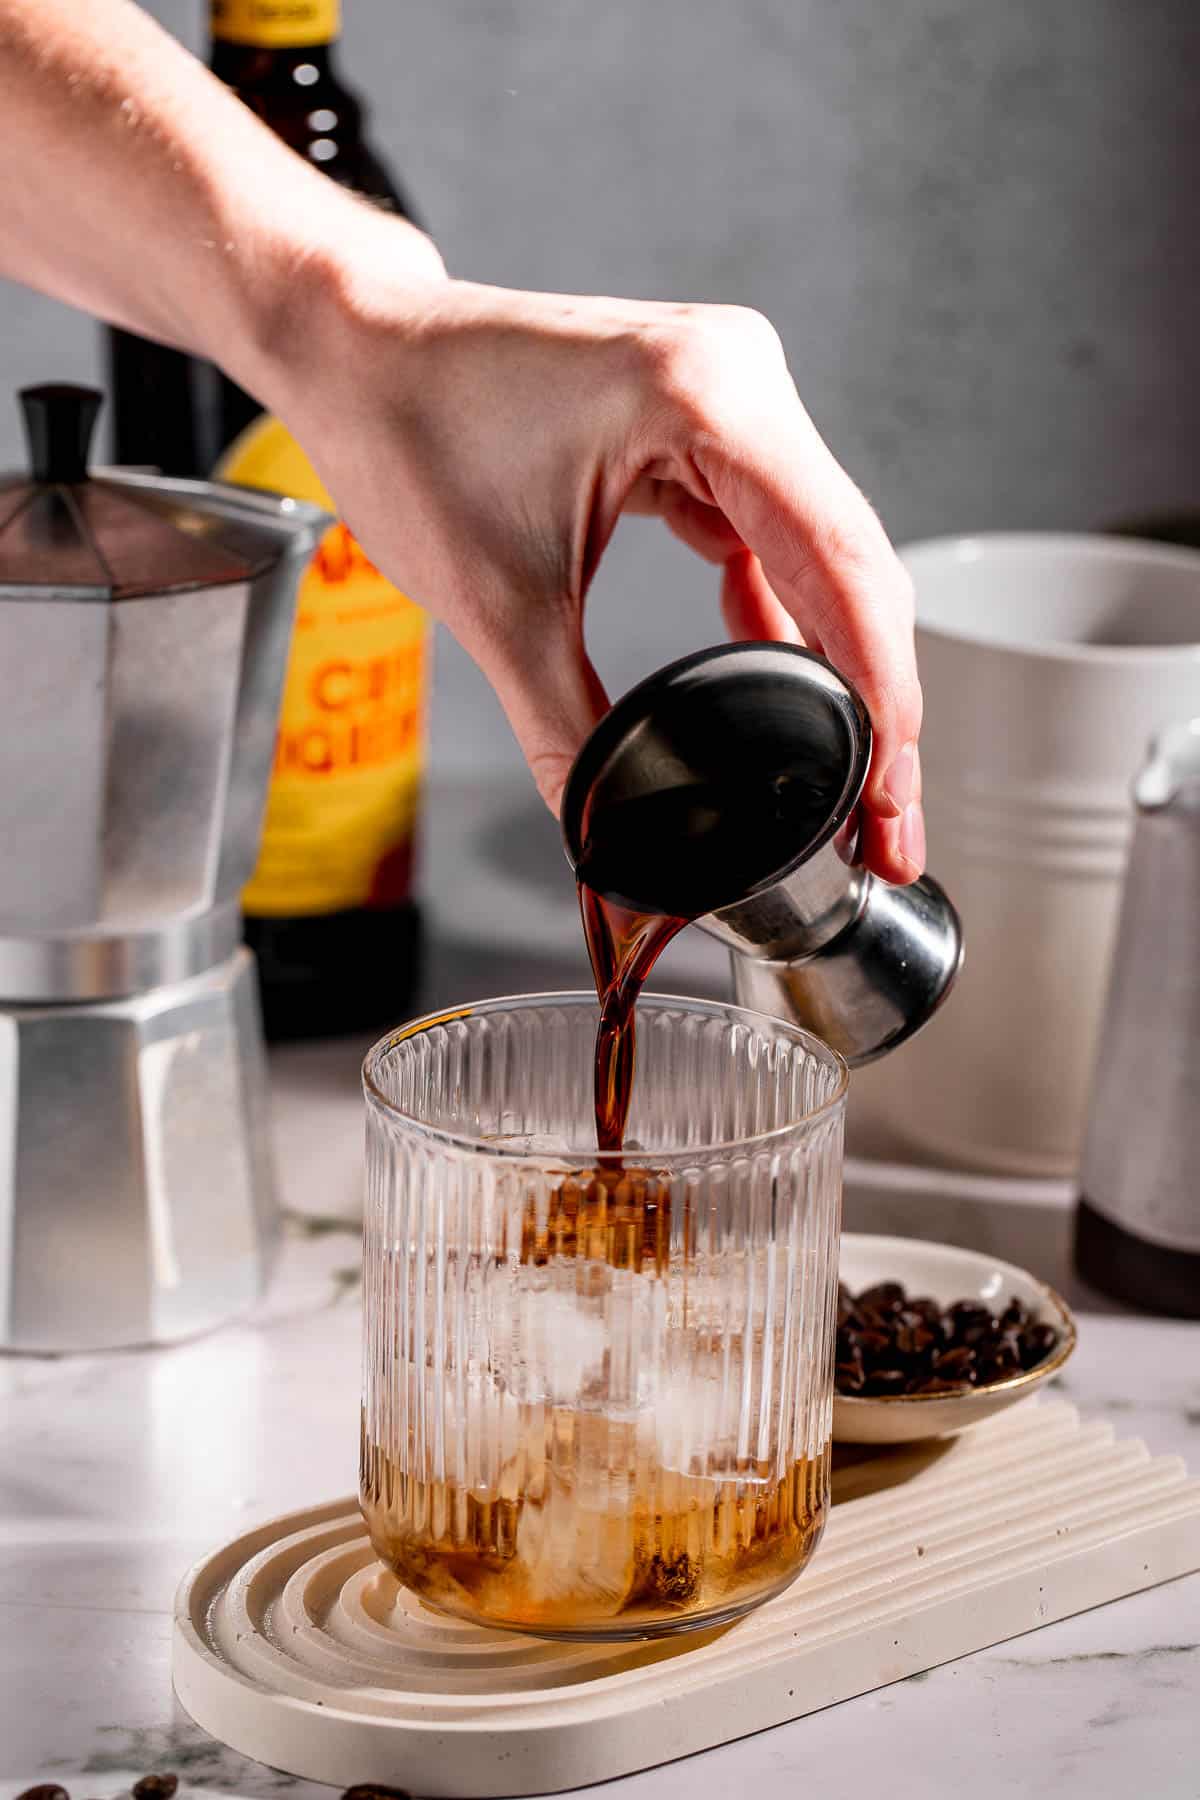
x=974, y=225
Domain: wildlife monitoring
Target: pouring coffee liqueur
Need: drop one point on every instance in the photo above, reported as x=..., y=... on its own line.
x=681, y=849
x=724, y=789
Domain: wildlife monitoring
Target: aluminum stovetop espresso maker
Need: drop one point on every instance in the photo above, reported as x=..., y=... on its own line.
x=144, y=631
x=759, y=753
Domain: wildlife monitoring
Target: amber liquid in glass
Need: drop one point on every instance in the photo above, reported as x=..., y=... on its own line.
x=537, y=1556
x=605, y=1518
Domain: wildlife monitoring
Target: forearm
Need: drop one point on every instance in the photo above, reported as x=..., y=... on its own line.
x=143, y=191
x=481, y=443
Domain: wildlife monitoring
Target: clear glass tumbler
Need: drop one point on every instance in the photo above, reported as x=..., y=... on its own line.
x=597, y=1392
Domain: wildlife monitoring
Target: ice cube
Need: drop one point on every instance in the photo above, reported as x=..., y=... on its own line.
x=693, y=1427
x=469, y=1431
x=579, y=1335
x=546, y=1348
x=575, y=1560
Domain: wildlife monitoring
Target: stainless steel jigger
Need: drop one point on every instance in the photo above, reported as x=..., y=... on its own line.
x=816, y=939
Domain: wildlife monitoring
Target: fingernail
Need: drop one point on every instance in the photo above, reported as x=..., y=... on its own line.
x=912, y=836
x=900, y=779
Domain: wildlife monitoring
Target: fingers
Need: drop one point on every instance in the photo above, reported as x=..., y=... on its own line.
x=895, y=847
x=552, y=697
x=750, y=609
x=827, y=559
x=702, y=527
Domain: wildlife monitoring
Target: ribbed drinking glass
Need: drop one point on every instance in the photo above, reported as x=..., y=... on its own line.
x=598, y=1391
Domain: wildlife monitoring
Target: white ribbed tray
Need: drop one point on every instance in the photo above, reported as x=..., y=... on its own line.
x=295, y=1647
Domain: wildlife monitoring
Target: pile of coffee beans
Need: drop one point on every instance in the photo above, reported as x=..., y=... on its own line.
x=163, y=1787
x=891, y=1343
x=147, y=1787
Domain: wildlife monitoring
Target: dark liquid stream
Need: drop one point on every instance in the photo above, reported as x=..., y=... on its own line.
x=685, y=851
x=624, y=946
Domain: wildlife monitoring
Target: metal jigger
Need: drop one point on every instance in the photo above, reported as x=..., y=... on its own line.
x=815, y=938
x=144, y=632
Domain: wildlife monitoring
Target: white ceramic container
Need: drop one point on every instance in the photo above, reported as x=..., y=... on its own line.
x=1048, y=662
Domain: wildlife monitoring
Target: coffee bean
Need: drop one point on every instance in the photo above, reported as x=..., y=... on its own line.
x=927, y=1309
x=889, y=1343
x=996, y=1364
x=155, y=1787
x=1036, y=1344
x=886, y=1381
x=955, y=1365
x=45, y=1790
x=373, y=1790
x=968, y=1314
x=913, y=1340
x=884, y=1297
x=849, y=1378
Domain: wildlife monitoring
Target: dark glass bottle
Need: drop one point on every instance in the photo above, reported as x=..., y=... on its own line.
x=329, y=912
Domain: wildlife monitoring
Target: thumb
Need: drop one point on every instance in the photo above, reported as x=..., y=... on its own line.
x=552, y=697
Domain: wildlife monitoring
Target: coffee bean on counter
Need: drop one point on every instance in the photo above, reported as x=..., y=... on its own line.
x=891, y=1343
x=155, y=1787
x=45, y=1790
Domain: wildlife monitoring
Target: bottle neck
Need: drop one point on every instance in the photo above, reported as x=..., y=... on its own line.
x=249, y=67
x=297, y=25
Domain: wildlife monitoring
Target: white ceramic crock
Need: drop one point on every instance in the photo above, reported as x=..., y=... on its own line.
x=1048, y=662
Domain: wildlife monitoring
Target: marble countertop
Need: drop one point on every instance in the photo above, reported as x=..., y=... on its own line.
x=117, y=1472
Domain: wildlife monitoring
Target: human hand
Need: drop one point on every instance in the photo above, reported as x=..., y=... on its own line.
x=482, y=444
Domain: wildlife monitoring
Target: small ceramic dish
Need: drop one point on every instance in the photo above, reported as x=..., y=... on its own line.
x=946, y=1274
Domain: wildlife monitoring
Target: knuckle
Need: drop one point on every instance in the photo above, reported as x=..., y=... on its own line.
x=845, y=552
x=750, y=327
x=549, y=769
x=893, y=697
x=699, y=351
x=906, y=593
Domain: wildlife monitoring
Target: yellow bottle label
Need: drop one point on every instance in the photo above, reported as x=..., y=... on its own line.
x=345, y=786
x=276, y=24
